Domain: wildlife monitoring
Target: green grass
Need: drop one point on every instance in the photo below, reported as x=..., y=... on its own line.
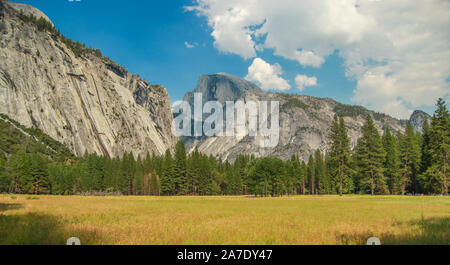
x=224, y=220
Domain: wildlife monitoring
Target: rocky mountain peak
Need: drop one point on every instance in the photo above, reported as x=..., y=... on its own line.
x=418, y=118
x=29, y=10
x=223, y=87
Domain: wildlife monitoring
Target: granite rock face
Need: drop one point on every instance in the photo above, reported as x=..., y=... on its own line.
x=304, y=121
x=418, y=118
x=88, y=102
x=222, y=87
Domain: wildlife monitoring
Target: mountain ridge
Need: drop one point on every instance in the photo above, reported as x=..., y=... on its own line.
x=304, y=123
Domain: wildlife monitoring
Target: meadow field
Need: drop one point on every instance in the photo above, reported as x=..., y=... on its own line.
x=243, y=220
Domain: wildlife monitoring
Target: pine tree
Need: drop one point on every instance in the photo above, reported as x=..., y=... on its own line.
x=205, y=180
x=39, y=174
x=155, y=185
x=259, y=175
x=266, y=177
x=293, y=185
x=181, y=186
x=20, y=170
x=304, y=177
x=370, y=159
x=426, y=147
x=193, y=172
x=410, y=160
x=218, y=179
x=319, y=167
x=311, y=175
x=139, y=177
x=437, y=174
x=278, y=179
x=167, y=176
x=392, y=162
x=129, y=173
x=339, y=156
x=5, y=179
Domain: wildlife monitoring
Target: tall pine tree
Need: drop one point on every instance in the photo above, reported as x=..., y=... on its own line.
x=410, y=160
x=311, y=173
x=322, y=180
x=392, y=162
x=339, y=156
x=181, y=187
x=370, y=159
x=167, y=175
x=437, y=174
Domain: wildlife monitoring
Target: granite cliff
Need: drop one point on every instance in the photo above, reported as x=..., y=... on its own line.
x=74, y=94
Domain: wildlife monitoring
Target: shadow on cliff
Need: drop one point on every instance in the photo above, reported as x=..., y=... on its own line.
x=37, y=229
x=433, y=231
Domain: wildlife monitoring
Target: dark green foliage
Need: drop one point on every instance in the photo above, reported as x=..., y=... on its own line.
x=339, y=159
x=426, y=161
x=435, y=177
x=311, y=175
x=410, y=160
x=5, y=180
x=323, y=181
x=370, y=160
x=13, y=138
x=180, y=169
x=167, y=175
x=392, y=164
x=294, y=176
x=30, y=173
x=266, y=177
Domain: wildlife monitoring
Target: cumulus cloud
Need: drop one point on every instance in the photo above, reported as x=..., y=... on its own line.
x=304, y=81
x=400, y=45
x=378, y=91
x=267, y=76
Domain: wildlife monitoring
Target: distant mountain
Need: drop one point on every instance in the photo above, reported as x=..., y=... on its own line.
x=222, y=87
x=418, y=118
x=73, y=93
x=304, y=121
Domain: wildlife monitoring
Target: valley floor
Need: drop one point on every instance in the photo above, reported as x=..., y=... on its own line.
x=224, y=220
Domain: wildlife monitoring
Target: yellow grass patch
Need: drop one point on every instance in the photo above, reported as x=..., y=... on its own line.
x=295, y=220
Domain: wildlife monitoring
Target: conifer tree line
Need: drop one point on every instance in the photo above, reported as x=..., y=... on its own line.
x=394, y=163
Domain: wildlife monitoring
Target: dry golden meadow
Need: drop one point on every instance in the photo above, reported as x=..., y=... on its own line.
x=224, y=220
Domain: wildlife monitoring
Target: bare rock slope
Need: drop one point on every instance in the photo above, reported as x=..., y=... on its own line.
x=85, y=101
x=418, y=118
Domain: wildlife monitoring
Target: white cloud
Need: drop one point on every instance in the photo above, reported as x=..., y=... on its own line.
x=267, y=76
x=405, y=44
x=190, y=46
x=230, y=26
x=378, y=91
x=303, y=81
x=308, y=58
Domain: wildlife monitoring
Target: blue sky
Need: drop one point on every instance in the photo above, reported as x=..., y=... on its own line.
x=149, y=38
